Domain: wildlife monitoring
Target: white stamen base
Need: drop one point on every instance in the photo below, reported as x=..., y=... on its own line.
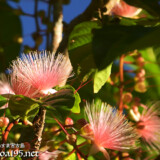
x=49, y=91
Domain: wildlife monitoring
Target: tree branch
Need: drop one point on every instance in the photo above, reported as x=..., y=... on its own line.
x=38, y=126
x=58, y=25
x=87, y=15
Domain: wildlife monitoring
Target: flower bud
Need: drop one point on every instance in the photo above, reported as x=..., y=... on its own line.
x=54, y=130
x=140, y=87
x=72, y=139
x=87, y=130
x=127, y=97
x=4, y=121
x=69, y=121
x=140, y=61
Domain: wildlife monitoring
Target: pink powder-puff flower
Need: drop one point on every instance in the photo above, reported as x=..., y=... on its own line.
x=49, y=155
x=5, y=87
x=110, y=129
x=13, y=86
x=42, y=70
x=125, y=10
x=148, y=127
x=35, y=74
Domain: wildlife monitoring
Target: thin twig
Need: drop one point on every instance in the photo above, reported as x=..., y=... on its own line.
x=48, y=33
x=36, y=16
x=65, y=131
x=121, y=71
x=7, y=130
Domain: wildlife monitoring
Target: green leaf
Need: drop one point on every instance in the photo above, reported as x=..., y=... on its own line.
x=22, y=106
x=82, y=34
x=80, y=48
x=101, y=77
x=3, y=101
x=65, y=98
x=115, y=40
x=152, y=69
x=10, y=35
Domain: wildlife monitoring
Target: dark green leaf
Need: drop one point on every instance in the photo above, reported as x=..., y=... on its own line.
x=80, y=48
x=82, y=34
x=65, y=97
x=21, y=106
x=10, y=35
x=115, y=40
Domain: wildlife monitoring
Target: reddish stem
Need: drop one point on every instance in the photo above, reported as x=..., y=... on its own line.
x=79, y=157
x=80, y=145
x=128, y=62
x=82, y=85
x=62, y=142
x=121, y=71
x=65, y=131
x=7, y=130
x=80, y=153
x=71, y=152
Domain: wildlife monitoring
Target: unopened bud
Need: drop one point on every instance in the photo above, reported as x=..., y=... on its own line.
x=127, y=97
x=141, y=73
x=4, y=121
x=72, y=139
x=55, y=130
x=140, y=87
x=140, y=61
x=69, y=121
x=87, y=130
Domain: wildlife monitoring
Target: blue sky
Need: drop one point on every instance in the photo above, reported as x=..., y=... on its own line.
x=28, y=23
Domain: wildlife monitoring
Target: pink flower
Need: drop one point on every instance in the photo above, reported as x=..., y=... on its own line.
x=149, y=127
x=110, y=129
x=48, y=155
x=42, y=71
x=5, y=87
x=35, y=74
x=15, y=86
x=125, y=10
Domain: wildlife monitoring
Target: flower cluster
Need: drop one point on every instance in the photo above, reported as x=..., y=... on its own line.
x=35, y=74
